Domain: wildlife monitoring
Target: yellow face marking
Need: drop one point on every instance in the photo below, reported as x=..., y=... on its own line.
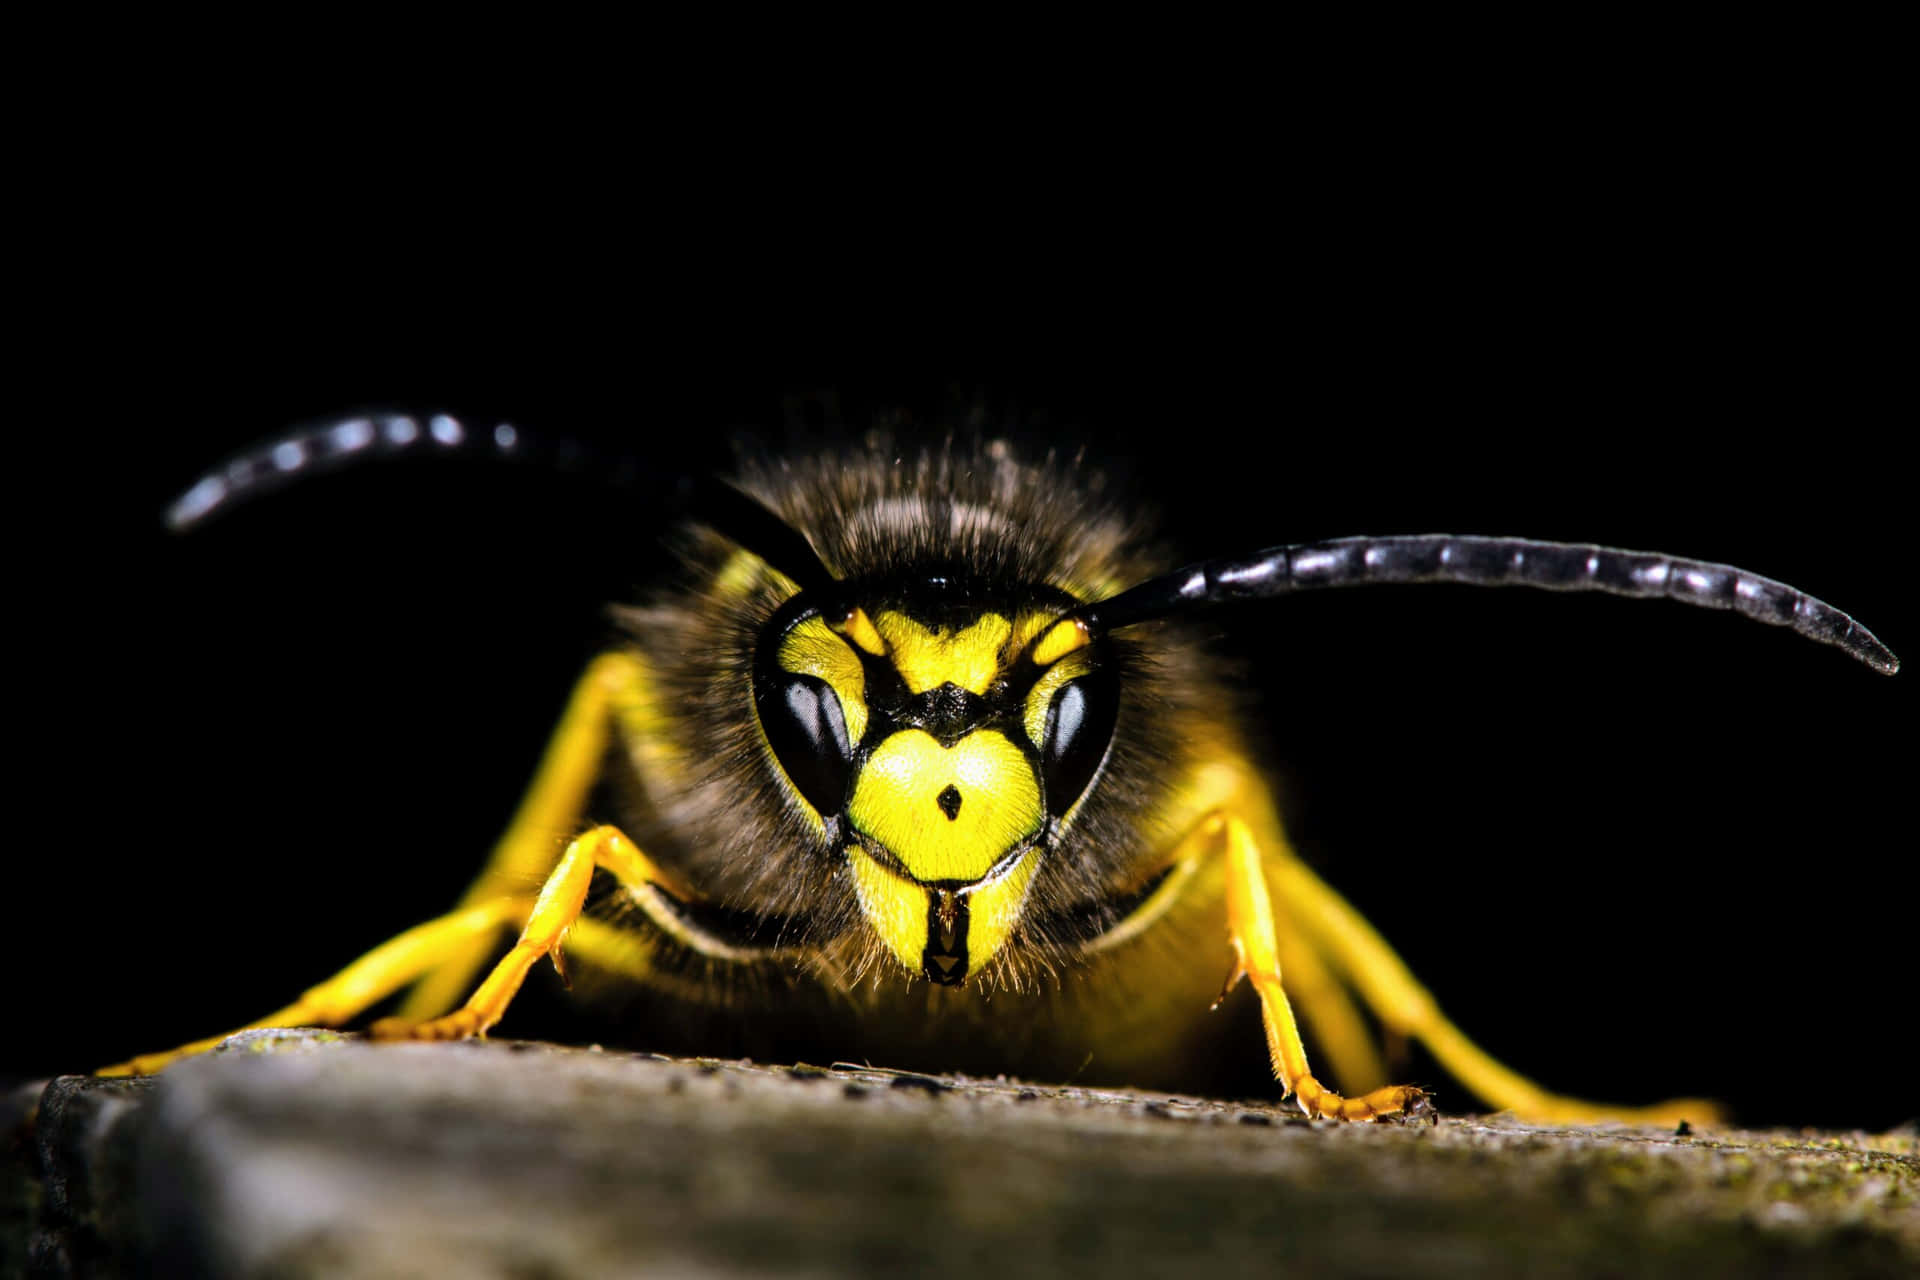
x=1067, y=635
x=812, y=649
x=859, y=629
x=1025, y=628
x=995, y=908
x=928, y=657
x=896, y=908
x=947, y=813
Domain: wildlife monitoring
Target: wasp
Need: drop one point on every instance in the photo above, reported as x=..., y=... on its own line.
x=931, y=738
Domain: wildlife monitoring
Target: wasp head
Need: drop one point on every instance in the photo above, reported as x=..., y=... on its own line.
x=940, y=734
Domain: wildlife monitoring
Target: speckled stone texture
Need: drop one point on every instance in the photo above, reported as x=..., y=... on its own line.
x=305, y=1154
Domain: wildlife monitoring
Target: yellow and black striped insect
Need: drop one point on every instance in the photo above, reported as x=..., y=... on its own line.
x=926, y=743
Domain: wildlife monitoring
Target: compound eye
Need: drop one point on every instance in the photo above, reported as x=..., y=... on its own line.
x=803, y=721
x=1079, y=729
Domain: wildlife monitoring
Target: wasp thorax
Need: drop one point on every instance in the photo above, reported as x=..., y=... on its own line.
x=937, y=754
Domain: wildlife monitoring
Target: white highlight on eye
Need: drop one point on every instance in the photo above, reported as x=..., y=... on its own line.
x=505, y=437
x=402, y=430
x=289, y=454
x=445, y=429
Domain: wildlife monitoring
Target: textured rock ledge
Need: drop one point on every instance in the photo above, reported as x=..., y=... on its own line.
x=296, y=1154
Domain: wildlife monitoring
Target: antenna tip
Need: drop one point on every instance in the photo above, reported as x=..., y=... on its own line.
x=1866, y=646
x=193, y=506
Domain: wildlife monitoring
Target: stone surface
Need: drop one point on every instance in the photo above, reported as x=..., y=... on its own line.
x=302, y=1154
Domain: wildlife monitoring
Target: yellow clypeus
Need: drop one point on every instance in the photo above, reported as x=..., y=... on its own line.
x=947, y=813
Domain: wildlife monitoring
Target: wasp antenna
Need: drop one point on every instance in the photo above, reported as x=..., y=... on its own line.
x=746, y=520
x=1489, y=562
x=336, y=445
x=330, y=446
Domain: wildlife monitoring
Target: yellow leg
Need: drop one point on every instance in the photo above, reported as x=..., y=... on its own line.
x=1256, y=958
x=364, y=983
x=612, y=688
x=1343, y=1036
x=613, y=949
x=556, y=911
x=1363, y=957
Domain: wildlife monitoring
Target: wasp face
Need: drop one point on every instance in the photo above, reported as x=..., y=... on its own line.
x=941, y=736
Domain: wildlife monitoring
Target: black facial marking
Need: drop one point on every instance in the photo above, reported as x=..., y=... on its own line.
x=947, y=713
x=944, y=961
x=949, y=802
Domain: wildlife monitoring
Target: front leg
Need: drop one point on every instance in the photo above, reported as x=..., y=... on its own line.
x=615, y=689
x=545, y=933
x=1256, y=958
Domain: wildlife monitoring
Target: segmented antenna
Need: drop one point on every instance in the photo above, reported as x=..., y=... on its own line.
x=336, y=445
x=1489, y=562
x=309, y=451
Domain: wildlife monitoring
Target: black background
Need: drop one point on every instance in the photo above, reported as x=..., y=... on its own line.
x=1637, y=850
